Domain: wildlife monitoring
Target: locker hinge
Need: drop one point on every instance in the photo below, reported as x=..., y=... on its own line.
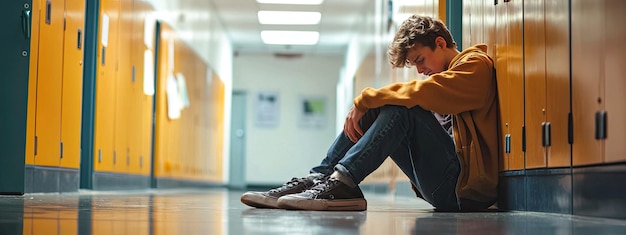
x=570, y=128
x=128, y=156
x=36, y=140
x=601, y=125
x=114, y=157
x=61, y=150
x=523, y=138
x=507, y=143
x=545, y=134
x=141, y=161
x=64, y=23
x=99, y=155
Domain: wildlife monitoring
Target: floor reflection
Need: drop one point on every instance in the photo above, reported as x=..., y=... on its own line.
x=218, y=211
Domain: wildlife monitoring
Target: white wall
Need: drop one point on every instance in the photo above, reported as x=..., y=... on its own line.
x=274, y=155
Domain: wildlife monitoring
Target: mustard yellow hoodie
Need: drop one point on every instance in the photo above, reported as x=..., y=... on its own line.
x=467, y=90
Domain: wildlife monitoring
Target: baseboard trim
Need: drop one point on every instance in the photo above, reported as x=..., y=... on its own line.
x=183, y=183
x=41, y=179
x=107, y=181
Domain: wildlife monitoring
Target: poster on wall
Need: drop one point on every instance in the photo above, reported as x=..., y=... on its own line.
x=312, y=112
x=267, y=109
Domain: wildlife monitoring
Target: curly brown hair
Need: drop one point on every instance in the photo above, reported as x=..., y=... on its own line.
x=417, y=29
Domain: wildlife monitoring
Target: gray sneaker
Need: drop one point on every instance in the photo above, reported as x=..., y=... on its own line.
x=329, y=195
x=269, y=199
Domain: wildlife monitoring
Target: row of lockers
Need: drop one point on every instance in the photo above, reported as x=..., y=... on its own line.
x=561, y=78
x=187, y=145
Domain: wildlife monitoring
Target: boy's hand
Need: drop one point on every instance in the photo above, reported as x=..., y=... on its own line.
x=351, y=127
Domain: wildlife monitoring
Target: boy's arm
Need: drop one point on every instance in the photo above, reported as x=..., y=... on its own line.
x=461, y=88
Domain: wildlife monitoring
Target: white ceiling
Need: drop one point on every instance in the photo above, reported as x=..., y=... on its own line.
x=239, y=18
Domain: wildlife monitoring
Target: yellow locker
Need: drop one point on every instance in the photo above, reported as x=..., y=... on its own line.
x=162, y=167
x=32, y=82
x=71, y=112
x=509, y=69
x=489, y=26
x=535, y=81
x=557, y=81
x=515, y=71
x=105, y=85
x=49, y=84
x=124, y=81
x=588, y=63
x=615, y=80
x=501, y=60
x=137, y=119
x=220, y=95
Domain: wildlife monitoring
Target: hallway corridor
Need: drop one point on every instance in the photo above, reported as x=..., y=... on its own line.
x=218, y=211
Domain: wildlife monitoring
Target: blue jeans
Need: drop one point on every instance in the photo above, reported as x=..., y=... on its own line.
x=414, y=140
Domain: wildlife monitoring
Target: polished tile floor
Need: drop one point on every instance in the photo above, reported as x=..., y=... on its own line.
x=218, y=211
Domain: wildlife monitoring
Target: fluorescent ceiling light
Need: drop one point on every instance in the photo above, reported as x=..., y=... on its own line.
x=298, y=2
x=289, y=17
x=290, y=37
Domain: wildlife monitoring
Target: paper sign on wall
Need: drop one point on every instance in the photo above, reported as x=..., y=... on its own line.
x=105, y=30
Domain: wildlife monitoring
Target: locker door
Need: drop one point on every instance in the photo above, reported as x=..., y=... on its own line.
x=615, y=80
x=515, y=70
x=124, y=82
x=14, y=61
x=557, y=82
x=489, y=24
x=504, y=94
x=535, y=73
x=467, y=28
x=588, y=26
x=146, y=99
x=49, y=84
x=135, y=128
x=162, y=144
x=72, y=83
x=32, y=82
x=105, y=85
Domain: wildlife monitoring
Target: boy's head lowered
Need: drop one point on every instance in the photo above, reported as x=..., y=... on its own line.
x=421, y=30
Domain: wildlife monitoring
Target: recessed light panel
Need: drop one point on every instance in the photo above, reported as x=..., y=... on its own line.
x=298, y=2
x=290, y=37
x=289, y=17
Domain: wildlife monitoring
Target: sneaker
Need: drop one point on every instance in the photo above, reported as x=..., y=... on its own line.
x=269, y=199
x=329, y=195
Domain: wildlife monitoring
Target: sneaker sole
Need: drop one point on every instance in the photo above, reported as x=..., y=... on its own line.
x=295, y=203
x=259, y=201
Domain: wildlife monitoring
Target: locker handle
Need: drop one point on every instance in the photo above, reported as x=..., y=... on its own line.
x=601, y=125
x=507, y=143
x=80, y=39
x=26, y=23
x=48, y=12
x=545, y=131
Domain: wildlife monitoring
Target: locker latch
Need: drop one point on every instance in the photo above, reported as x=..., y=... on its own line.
x=507, y=143
x=545, y=134
x=601, y=125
